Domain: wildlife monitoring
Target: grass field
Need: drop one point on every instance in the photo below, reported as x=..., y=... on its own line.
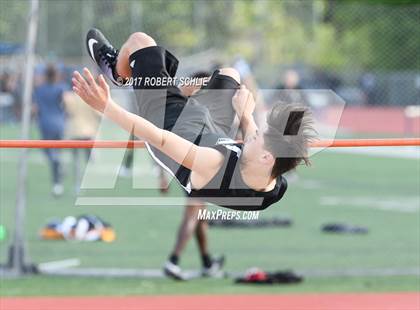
x=379, y=193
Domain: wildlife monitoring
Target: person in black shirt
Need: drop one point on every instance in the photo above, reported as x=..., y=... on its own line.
x=193, y=138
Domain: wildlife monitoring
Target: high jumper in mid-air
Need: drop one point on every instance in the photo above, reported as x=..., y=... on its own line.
x=193, y=137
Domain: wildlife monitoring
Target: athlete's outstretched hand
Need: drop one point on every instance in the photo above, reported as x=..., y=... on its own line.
x=243, y=102
x=95, y=94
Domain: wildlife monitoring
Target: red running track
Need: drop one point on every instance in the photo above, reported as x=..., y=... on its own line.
x=351, y=301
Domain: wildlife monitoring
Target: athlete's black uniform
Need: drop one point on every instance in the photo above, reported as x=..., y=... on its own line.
x=205, y=119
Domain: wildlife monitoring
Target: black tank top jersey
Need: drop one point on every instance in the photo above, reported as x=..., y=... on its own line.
x=227, y=188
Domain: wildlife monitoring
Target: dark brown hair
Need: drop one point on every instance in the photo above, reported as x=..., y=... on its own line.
x=290, y=130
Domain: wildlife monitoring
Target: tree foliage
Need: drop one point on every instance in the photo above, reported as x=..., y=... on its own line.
x=377, y=34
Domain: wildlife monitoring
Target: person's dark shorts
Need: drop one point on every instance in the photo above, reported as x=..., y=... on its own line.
x=209, y=110
x=202, y=119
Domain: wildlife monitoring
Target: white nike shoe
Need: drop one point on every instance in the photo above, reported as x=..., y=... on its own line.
x=173, y=271
x=57, y=190
x=103, y=54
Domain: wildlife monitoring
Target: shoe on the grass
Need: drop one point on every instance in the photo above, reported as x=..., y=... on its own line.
x=57, y=189
x=125, y=172
x=216, y=268
x=103, y=54
x=173, y=271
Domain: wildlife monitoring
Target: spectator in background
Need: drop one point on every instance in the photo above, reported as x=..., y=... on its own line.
x=368, y=86
x=48, y=99
x=5, y=82
x=289, y=90
x=291, y=80
x=10, y=101
x=82, y=123
x=190, y=224
x=6, y=98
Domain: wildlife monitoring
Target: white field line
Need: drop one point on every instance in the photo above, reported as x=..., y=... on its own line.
x=131, y=201
x=310, y=273
x=58, y=265
x=397, y=204
x=161, y=201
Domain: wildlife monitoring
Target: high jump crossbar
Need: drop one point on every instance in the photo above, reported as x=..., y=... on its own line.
x=108, y=144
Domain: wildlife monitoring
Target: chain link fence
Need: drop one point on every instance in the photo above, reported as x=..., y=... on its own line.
x=365, y=51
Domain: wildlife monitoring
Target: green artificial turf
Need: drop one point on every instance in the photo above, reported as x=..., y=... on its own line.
x=381, y=194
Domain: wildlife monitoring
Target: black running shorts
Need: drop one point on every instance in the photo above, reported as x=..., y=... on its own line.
x=203, y=118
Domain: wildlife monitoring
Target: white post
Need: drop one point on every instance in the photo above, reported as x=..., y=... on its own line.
x=17, y=249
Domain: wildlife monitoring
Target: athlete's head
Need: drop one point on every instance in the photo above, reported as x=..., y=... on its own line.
x=284, y=143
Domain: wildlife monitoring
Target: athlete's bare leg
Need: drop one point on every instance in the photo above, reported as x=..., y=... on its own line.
x=135, y=41
x=188, y=226
x=201, y=237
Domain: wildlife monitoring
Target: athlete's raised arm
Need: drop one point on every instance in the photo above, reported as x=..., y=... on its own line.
x=202, y=160
x=244, y=105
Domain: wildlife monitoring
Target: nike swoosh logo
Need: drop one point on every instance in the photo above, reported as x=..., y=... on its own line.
x=91, y=42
